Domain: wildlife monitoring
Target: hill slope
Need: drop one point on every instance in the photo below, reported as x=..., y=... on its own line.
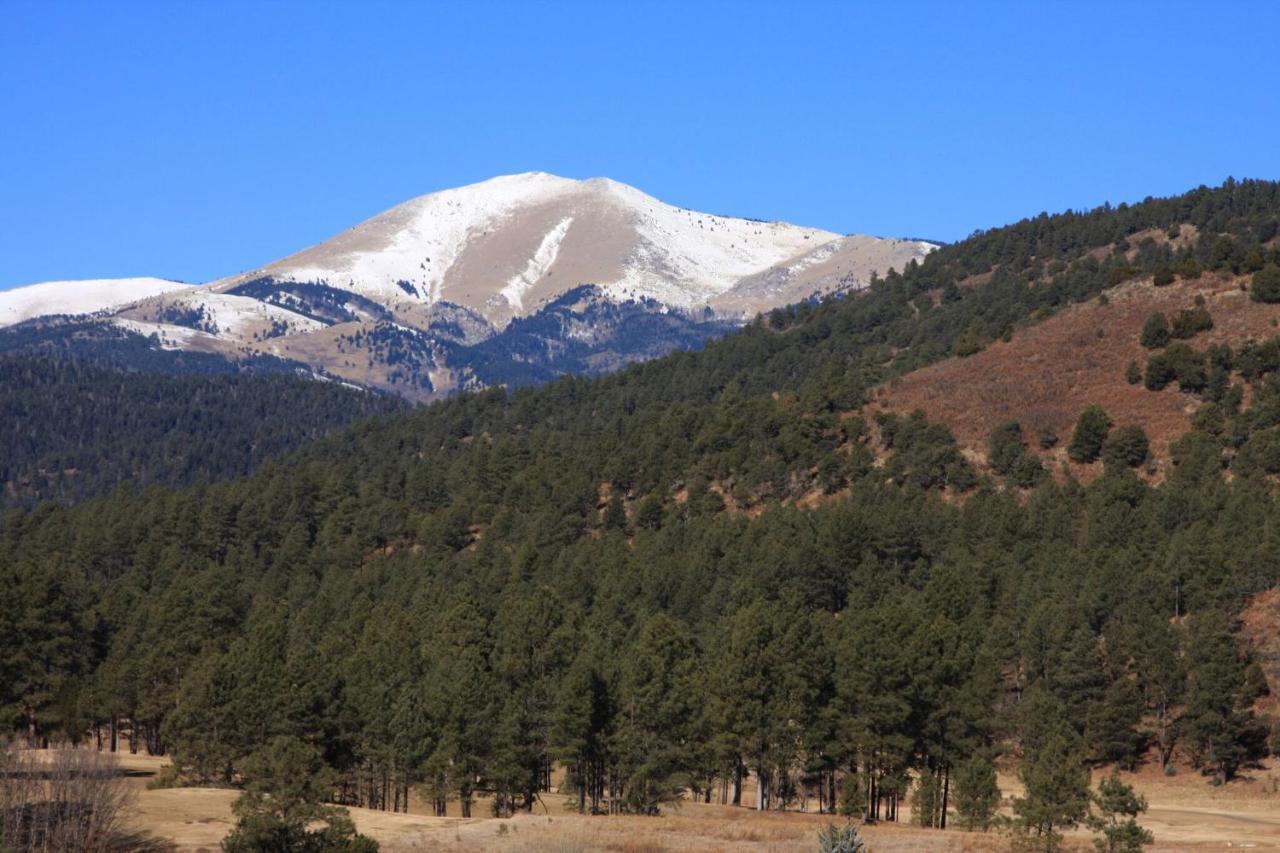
x=700, y=567
x=71, y=431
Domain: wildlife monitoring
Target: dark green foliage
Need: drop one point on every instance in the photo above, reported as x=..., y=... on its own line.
x=70, y=431
x=1189, y=267
x=1127, y=446
x=1189, y=323
x=269, y=834
x=1090, y=434
x=923, y=453
x=1265, y=286
x=1133, y=373
x=977, y=797
x=1155, y=332
x=1115, y=817
x=1221, y=731
x=1008, y=456
x=1056, y=786
x=1162, y=276
x=1178, y=362
x=286, y=784
x=1260, y=454
x=1005, y=447
x=1112, y=726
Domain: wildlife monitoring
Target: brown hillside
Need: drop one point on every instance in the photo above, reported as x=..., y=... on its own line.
x=1047, y=373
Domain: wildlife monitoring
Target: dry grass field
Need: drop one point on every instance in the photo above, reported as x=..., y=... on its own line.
x=1047, y=373
x=1186, y=813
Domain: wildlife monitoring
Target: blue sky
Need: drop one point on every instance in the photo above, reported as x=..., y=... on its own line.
x=194, y=140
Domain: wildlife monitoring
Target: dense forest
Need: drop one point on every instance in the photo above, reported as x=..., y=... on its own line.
x=71, y=430
x=700, y=569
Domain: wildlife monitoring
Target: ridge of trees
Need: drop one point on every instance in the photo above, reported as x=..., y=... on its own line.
x=71, y=430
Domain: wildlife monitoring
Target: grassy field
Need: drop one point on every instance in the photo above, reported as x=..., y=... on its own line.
x=1185, y=814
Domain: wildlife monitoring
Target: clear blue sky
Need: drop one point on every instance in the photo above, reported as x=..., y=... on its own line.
x=192, y=140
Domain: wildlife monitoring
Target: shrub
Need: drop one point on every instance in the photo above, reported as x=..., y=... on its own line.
x=1162, y=277
x=1005, y=447
x=1028, y=471
x=1178, y=362
x=1133, y=373
x=1155, y=332
x=840, y=839
x=1159, y=373
x=1189, y=267
x=1090, y=434
x=1190, y=322
x=1126, y=447
x=1266, y=284
x=63, y=800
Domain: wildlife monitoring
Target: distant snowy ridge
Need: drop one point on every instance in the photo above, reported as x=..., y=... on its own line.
x=87, y=296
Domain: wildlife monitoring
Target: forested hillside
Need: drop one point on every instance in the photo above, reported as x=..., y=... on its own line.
x=705, y=566
x=69, y=430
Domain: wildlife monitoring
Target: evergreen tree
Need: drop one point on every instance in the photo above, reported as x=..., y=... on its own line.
x=1127, y=447
x=977, y=795
x=1265, y=286
x=1116, y=817
x=1090, y=434
x=1155, y=332
x=1057, y=791
x=657, y=708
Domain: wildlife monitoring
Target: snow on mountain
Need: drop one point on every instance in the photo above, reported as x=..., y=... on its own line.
x=423, y=299
x=78, y=297
x=223, y=315
x=538, y=265
x=504, y=246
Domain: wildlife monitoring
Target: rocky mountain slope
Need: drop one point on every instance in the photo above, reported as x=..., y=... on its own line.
x=421, y=298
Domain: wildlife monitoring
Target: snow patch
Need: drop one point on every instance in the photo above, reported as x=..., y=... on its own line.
x=538, y=265
x=419, y=240
x=238, y=317
x=78, y=297
x=170, y=336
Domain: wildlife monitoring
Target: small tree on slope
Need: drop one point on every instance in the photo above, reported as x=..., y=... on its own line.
x=1116, y=818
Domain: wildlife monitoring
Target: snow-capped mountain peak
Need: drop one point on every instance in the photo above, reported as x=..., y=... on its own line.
x=503, y=246
x=424, y=298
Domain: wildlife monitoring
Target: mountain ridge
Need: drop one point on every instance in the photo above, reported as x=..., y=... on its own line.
x=498, y=251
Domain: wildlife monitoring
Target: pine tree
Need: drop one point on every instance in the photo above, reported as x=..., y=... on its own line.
x=1116, y=817
x=1057, y=792
x=1265, y=286
x=1155, y=332
x=977, y=796
x=1090, y=434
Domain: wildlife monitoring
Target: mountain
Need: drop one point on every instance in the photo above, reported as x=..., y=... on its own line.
x=419, y=298
x=744, y=560
x=78, y=297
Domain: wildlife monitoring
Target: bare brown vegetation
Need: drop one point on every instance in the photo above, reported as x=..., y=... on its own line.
x=1047, y=373
x=61, y=800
